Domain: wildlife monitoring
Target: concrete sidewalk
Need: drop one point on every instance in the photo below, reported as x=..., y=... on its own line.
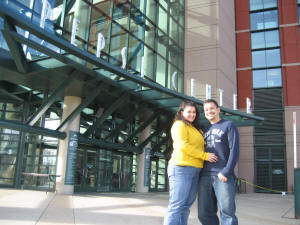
x=35, y=207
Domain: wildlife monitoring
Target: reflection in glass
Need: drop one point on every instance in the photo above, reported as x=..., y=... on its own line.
x=266, y=58
x=273, y=57
x=100, y=23
x=161, y=71
x=266, y=39
x=163, y=20
x=267, y=78
x=135, y=54
x=264, y=20
x=262, y=4
x=258, y=59
x=258, y=40
x=272, y=38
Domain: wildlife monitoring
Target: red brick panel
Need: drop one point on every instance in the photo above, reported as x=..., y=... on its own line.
x=290, y=44
x=244, y=87
x=288, y=11
x=243, y=46
x=242, y=18
x=291, y=85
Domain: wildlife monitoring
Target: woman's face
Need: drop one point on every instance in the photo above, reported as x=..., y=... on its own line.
x=189, y=113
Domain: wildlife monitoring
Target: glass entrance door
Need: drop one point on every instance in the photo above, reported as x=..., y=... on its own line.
x=122, y=173
x=158, y=175
x=103, y=171
x=86, y=171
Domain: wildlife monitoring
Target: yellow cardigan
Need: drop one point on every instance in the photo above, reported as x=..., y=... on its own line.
x=188, y=146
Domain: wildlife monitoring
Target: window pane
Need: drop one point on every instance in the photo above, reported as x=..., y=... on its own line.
x=162, y=44
x=163, y=20
x=299, y=13
x=271, y=19
x=274, y=77
x=100, y=23
x=161, y=71
x=173, y=30
x=272, y=38
x=149, y=62
x=135, y=53
x=257, y=21
x=273, y=57
x=118, y=42
x=262, y=4
x=270, y=3
x=259, y=78
x=264, y=20
x=258, y=40
x=256, y=4
x=258, y=59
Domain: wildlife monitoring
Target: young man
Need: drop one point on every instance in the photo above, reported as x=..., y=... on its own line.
x=217, y=181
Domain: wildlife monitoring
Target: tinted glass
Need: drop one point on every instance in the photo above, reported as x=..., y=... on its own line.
x=272, y=38
x=258, y=59
x=266, y=58
x=274, y=77
x=258, y=40
x=267, y=78
x=262, y=4
x=259, y=78
x=265, y=39
x=273, y=57
x=271, y=19
x=264, y=20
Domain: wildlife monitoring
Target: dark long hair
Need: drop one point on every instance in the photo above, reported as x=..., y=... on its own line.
x=179, y=116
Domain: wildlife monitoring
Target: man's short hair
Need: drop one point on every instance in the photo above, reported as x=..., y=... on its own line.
x=211, y=101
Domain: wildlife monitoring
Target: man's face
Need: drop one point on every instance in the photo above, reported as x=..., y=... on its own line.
x=211, y=112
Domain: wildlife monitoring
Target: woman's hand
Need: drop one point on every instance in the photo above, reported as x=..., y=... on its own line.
x=212, y=158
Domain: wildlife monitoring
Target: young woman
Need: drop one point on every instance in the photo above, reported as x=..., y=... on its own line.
x=185, y=163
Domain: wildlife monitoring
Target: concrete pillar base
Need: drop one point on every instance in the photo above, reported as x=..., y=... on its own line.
x=64, y=189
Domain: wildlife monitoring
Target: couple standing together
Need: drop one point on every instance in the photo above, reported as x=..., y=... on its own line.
x=213, y=180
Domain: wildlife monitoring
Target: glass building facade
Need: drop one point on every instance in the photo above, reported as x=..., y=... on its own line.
x=149, y=35
x=146, y=31
x=269, y=139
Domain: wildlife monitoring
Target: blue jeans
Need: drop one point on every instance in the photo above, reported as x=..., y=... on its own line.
x=183, y=185
x=213, y=194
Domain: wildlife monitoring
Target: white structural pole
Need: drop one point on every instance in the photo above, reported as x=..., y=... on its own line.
x=208, y=91
x=248, y=100
x=143, y=67
x=74, y=31
x=123, y=53
x=295, y=140
x=221, y=97
x=100, y=44
x=234, y=101
x=193, y=84
x=174, y=80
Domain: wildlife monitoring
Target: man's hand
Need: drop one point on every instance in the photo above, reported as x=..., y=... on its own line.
x=212, y=158
x=222, y=178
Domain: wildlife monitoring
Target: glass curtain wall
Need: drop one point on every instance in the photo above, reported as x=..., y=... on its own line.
x=129, y=34
x=104, y=171
x=26, y=153
x=9, y=144
x=132, y=30
x=269, y=139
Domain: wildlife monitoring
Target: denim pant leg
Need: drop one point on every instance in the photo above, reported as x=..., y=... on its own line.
x=207, y=202
x=182, y=193
x=193, y=193
x=225, y=193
